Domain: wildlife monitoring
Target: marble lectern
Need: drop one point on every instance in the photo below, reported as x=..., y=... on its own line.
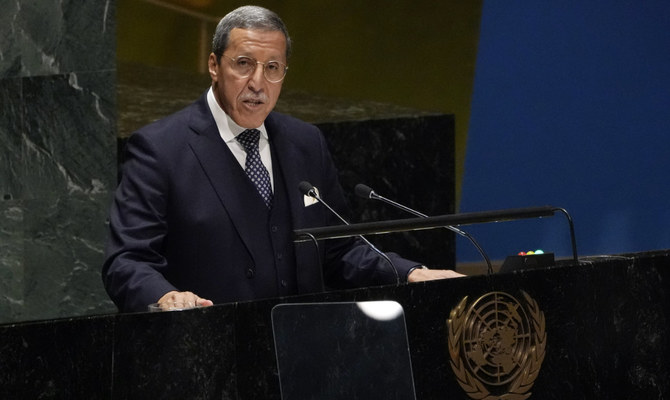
x=606, y=321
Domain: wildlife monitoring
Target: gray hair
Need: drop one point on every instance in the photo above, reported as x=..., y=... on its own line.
x=247, y=17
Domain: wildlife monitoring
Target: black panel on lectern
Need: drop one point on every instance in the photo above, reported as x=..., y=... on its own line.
x=342, y=351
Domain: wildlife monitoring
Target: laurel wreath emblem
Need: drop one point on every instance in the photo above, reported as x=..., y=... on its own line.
x=519, y=387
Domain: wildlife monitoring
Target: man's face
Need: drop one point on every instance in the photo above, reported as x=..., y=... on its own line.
x=247, y=100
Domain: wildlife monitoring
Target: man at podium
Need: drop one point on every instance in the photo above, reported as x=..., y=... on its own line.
x=209, y=198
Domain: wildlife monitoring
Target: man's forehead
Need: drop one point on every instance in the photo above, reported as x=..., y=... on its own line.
x=258, y=38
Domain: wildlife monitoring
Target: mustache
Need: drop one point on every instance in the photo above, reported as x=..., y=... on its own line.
x=256, y=97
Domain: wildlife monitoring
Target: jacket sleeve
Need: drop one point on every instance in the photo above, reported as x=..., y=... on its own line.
x=134, y=255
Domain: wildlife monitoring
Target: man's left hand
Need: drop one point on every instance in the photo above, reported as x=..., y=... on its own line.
x=425, y=274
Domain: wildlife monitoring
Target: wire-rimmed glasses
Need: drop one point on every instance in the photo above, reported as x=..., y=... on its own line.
x=273, y=71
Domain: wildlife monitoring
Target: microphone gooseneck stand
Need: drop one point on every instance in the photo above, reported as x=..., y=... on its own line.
x=310, y=190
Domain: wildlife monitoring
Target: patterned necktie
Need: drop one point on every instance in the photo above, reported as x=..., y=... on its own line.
x=254, y=168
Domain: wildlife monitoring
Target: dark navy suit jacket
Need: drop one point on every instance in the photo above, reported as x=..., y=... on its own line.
x=181, y=216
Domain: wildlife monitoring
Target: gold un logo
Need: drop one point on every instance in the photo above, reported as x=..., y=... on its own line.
x=497, y=346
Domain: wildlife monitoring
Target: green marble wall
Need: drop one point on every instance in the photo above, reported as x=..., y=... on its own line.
x=57, y=155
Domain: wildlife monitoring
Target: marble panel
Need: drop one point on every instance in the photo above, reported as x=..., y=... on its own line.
x=12, y=277
x=58, y=179
x=69, y=134
x=409, y=160
x=11, y=124
x=57, y=140
x=255, y=347
x=63, y=359
x=54, y=37
x=62, y=255
x=10, y=47
x=176, y=355
x=12, y=208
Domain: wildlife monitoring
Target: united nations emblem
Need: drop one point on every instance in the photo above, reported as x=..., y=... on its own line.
x=497, y=346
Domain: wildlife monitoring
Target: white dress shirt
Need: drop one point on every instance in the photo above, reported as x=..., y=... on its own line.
x=228, y=130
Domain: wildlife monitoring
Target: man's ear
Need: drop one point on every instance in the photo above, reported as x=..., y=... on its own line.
x=212, y=64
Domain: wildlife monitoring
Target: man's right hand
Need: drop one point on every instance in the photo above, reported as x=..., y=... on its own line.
x=175, y=299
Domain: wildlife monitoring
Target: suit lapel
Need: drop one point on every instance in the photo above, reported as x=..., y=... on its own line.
x=234, y=190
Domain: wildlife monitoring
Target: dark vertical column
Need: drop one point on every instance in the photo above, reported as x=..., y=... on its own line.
x=58, y=155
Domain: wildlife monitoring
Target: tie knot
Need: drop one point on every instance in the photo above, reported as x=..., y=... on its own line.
x=249, y=139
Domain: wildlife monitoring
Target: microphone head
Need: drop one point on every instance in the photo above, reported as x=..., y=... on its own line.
x=363, y=191
x=306, y=188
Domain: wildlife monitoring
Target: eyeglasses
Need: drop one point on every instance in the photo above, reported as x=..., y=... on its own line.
x=274, y=71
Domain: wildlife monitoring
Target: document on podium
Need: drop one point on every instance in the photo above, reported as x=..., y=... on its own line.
x=351, y=350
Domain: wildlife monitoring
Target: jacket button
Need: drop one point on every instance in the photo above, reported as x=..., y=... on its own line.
x=250, y=273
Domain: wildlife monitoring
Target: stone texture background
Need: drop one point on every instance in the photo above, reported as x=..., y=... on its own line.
x=57, y=155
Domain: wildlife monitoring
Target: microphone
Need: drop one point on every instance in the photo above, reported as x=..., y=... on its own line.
x=310, y=190
x=366, y=192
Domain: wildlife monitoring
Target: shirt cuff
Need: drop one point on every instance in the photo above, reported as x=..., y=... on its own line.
x=412, y=269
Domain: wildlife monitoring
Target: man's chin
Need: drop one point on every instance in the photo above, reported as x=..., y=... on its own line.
x=250, y=122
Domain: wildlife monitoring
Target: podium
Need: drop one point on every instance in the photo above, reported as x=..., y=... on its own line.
x=606, y=325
